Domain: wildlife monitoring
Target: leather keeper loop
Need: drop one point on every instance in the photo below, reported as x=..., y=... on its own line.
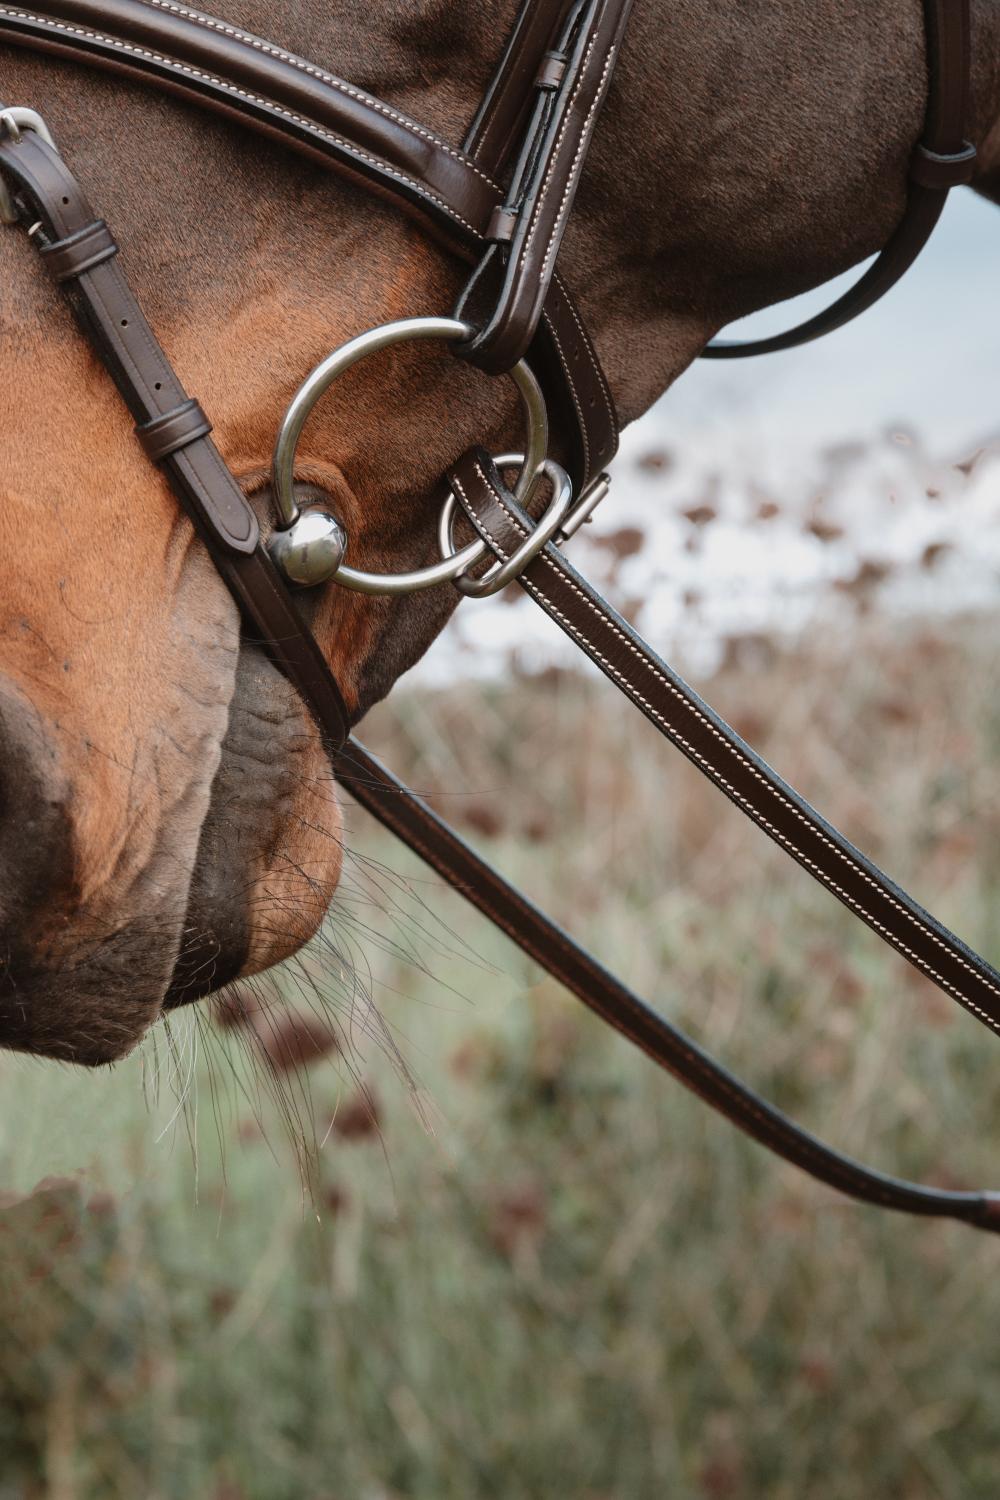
x=80, y=252
x=933, y=170
x=503, y=222
x=176, y=429
x=552, y=71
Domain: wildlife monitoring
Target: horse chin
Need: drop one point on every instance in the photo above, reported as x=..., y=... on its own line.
x=209, y=898
x=270, y=853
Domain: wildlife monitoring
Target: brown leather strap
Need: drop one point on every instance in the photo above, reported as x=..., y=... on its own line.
x=80, y=252
x=943, y=159
x=276, y=93
x=719, y=753
x=546, y=178
x=172, y=426
x=417, y=826
x=502, y=117
x=242, y=75
x=177, y=429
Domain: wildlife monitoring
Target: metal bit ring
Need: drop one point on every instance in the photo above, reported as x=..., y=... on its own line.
x=314, y=386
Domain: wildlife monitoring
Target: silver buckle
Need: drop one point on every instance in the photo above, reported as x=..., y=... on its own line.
x=550, y=525
x=13, y=123
x=561, y=520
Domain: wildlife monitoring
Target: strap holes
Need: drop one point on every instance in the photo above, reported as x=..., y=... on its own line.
x=65, y=203
x=124, y=322
x=158, y=385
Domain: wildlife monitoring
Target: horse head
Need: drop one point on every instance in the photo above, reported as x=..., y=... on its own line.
x=167, y=818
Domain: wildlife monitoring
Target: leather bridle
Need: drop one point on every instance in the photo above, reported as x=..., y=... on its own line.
x=502, y=201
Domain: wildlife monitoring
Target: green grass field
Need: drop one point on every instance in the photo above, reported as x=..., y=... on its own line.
x=481, y=1248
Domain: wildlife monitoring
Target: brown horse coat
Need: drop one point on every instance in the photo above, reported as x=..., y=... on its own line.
x=166, y=815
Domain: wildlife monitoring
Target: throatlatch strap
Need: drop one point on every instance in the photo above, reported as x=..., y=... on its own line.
x=943, y=159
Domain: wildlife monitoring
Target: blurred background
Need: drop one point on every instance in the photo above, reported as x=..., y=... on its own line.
x=404, y=1220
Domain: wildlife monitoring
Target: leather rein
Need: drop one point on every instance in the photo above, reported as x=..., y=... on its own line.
x=501, y=201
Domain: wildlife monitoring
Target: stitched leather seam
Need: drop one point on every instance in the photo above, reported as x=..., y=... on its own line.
x=732, y=792
x=703, y=1068
x=169, y=381
x=230, y=88
x=580, y=151
x=592, y=356
x=775, y=832
x=572, y=385
x=259, y=45
x=554, y=159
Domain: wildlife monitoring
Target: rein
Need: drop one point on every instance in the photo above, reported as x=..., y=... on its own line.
x=501, y=202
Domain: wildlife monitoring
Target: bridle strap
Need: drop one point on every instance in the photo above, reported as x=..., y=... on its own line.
x=417, y=826
x=62, y=221
x=502, y=117
x=718, y=752
x=81, y=255
x=529, y=226
x=943, y=159
x=257, y=84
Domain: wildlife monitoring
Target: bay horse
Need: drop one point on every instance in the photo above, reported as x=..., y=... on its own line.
x=166, y=815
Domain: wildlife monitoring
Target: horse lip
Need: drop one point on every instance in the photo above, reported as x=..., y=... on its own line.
x=203, y=966
x=244, y=822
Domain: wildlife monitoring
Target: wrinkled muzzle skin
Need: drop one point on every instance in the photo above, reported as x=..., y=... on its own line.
x=125, y=698
x=168, y=819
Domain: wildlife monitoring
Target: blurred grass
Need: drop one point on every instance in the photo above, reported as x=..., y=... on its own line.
x=577, y=1282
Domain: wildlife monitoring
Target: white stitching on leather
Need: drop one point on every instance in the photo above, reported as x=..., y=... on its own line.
x=581, y=148
x=592, y=356
x=547, y=180
x=259, y=45
x=230, y=88
x=702, y=1067
x=573, y=391
x=727, y=786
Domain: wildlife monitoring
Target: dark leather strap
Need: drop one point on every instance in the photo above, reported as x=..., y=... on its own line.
x=172, y=426
x=276, y=93
x=943, y=159
x=177, y=429
x=547, y=175
x=79, y=252
x=242, y=75
x=720, y=754
x=417, y=826
x=502, y=117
